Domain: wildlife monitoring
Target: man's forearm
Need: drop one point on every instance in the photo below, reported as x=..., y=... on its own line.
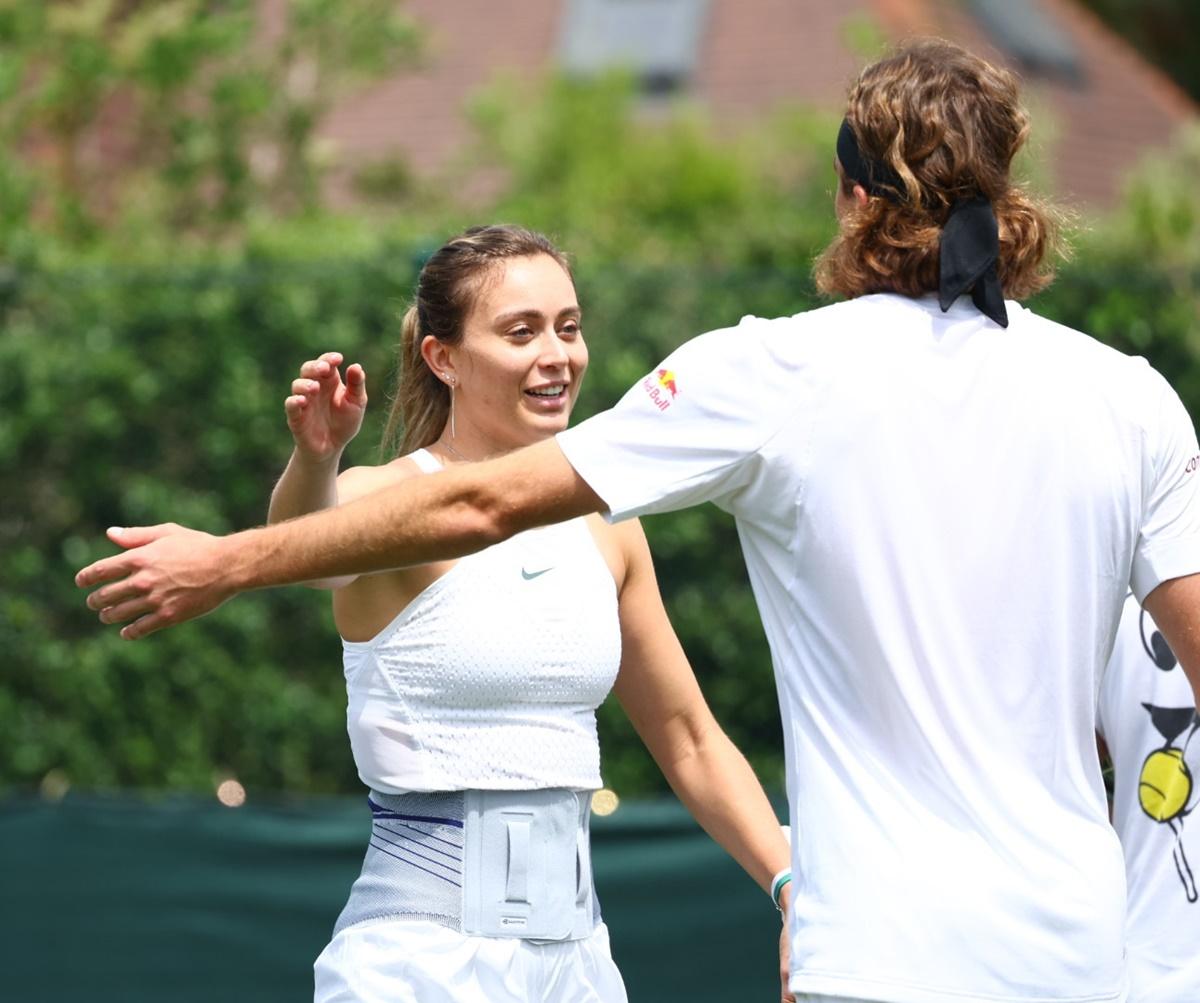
x=169, y=574
x=1175, y=608
x=417, y=521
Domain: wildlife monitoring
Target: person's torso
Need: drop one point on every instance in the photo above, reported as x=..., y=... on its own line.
x=1147, y=717
x=490, y=677
x=939, y=537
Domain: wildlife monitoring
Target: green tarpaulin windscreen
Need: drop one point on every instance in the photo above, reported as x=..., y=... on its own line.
x=120, y=900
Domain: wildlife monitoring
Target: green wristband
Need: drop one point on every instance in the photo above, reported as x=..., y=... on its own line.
x=781, y=879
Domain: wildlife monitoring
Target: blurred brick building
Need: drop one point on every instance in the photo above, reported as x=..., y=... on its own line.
x=1099, y=106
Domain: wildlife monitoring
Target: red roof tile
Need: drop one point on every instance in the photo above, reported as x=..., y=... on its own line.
x=758, y=54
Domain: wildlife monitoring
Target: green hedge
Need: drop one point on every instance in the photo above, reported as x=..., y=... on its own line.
x=134, y=396
x=140, y=386
x=140, y=395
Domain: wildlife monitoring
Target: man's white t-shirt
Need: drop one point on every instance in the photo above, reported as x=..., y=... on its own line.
x=1147, y=717
x=940, y=519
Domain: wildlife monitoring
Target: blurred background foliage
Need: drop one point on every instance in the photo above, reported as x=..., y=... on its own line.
x=150, y=325
x=146, y=117
x=1164, y=31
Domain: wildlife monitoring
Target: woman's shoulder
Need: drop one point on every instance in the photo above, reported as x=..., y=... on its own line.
x=354, y=482
x=622, y=544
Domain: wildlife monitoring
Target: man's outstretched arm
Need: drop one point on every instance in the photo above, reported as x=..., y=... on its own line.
x=170, y=574
x=1175, y=608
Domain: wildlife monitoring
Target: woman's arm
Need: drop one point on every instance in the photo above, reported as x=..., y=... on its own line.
x=306, y=485
x=659, y=692
x=323, y=414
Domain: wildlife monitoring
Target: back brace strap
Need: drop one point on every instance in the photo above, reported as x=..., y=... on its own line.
x=486, y=863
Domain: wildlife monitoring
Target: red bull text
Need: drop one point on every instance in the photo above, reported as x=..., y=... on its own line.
x=661, y=388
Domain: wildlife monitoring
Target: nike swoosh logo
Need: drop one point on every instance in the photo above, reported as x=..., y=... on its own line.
x=531, y=575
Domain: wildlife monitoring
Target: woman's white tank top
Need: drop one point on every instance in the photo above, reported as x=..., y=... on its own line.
x=490, y=678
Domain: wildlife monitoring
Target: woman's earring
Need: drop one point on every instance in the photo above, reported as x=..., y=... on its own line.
x=450, y=380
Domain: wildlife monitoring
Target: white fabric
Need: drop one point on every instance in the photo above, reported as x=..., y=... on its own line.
x=1161, y=840
x=811, y=998
x=425, y=461
x=490, y=678
x=940, y=520
x=414, y=961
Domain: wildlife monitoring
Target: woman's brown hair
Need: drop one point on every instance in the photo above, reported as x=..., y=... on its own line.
x=446, y=289
x=948, y=124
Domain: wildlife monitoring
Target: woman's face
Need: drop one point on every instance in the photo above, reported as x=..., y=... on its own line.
x=521, y=358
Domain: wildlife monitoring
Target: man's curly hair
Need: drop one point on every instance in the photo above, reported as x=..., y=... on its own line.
x=949, y=124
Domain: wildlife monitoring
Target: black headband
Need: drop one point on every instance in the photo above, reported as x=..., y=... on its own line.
x=878, y=179
x=970, y=244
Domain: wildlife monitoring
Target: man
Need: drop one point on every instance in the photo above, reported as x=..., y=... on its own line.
x=942, y=500
x=1146, y=717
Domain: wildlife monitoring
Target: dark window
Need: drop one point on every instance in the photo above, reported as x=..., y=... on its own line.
x=658, y=40
x=1028, y=33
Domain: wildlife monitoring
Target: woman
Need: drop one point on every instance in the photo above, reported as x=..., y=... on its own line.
x=473, y=684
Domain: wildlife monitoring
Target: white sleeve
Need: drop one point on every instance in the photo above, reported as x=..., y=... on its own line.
x=1168, y=544
x=686, y=433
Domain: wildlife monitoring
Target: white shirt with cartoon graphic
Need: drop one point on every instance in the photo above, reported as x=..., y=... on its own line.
x=941, y=519
x=1147, y=717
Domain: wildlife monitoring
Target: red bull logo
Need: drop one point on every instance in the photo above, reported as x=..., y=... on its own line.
x=661, y=387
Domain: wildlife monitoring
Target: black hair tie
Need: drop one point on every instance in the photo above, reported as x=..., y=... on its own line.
x=969, y=252
x=970, y=242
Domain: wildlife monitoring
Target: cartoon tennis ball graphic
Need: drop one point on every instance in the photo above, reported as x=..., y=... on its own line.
x=1165, y=784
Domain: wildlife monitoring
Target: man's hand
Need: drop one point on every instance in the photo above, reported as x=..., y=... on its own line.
x=167, y=575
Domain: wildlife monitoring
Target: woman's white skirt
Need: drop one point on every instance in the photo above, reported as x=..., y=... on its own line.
x=416, y=961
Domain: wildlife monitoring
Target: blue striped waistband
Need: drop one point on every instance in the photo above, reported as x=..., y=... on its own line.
x=490, y=863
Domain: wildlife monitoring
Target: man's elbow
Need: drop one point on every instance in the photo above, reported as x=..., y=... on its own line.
x=487, y=516
x=520, y=491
